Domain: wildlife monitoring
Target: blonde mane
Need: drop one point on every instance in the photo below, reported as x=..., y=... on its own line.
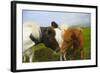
x=30, y=28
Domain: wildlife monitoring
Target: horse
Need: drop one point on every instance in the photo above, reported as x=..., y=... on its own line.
x=69, y=38
x=72, y=39
x=33, y=34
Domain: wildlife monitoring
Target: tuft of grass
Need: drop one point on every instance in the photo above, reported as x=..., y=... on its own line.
x=42, y=54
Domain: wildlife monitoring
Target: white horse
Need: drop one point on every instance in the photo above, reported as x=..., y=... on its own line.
x=29, y=28
x=34, y=34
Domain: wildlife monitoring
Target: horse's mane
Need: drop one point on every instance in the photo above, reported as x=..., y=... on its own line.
x=34, y=29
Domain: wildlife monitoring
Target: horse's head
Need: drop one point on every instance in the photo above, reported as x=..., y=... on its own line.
x=50, y=37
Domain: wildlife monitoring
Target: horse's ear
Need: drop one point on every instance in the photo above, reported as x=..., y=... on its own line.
x=54, y=24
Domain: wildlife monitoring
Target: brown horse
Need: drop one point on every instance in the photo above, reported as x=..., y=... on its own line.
x=72, y=39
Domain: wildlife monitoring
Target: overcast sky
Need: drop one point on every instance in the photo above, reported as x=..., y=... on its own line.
x=44, y=18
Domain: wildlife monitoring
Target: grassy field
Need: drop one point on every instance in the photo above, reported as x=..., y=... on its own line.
x=87, y=43
x=42, y=53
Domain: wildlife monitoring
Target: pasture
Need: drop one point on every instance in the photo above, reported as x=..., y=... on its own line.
x=42, y=53
x=87, y=43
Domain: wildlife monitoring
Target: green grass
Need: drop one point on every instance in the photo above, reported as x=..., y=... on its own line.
x=42, y=53
x=87, y=43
